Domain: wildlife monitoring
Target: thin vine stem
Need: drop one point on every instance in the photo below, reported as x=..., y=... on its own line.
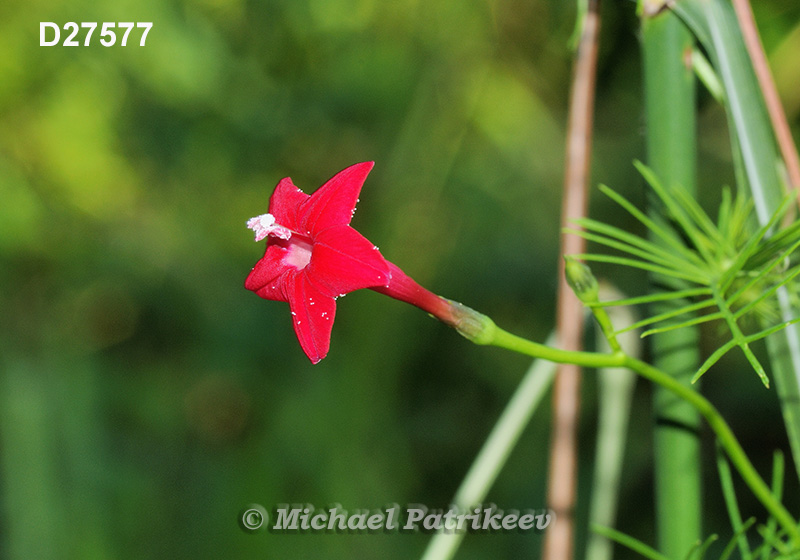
x=716, y=422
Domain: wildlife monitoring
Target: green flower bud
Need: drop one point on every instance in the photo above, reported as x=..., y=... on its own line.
x=582, y=281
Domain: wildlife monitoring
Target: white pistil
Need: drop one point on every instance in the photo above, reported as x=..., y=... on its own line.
x=265, y=225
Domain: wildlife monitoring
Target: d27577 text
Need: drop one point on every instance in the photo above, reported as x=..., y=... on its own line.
x=110, y=32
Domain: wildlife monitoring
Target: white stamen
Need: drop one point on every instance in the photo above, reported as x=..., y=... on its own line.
x=265, y=225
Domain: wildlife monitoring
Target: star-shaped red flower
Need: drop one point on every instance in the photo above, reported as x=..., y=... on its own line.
x=313, y=255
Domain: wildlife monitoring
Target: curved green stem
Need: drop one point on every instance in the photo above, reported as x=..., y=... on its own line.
x=726, y=438
x=496, y=336
x=504, y=339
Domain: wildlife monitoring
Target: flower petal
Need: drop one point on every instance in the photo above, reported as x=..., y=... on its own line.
x=270, y=274
x=343, y=260
x=335, y=201
x=312, y=316
x=285, y=203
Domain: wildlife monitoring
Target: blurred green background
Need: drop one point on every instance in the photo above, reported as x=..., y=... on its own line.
x=146, y=397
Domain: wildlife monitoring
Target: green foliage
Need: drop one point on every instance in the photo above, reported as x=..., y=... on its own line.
x=758, y=171
x=734, y=273
x=632, y=543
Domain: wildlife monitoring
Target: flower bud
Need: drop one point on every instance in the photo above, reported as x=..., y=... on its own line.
x=582, y=281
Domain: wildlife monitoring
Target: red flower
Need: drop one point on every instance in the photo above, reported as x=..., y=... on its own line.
x=313, y=256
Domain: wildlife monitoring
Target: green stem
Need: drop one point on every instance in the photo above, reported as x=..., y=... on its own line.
x=726, y=438
x=670, y=114
x=496, y=336
x=504, y=339
x=734, y=514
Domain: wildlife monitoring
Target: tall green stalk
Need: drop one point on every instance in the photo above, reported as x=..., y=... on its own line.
x=671, y=153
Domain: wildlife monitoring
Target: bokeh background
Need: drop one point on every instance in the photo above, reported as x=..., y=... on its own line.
x=146, y=397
